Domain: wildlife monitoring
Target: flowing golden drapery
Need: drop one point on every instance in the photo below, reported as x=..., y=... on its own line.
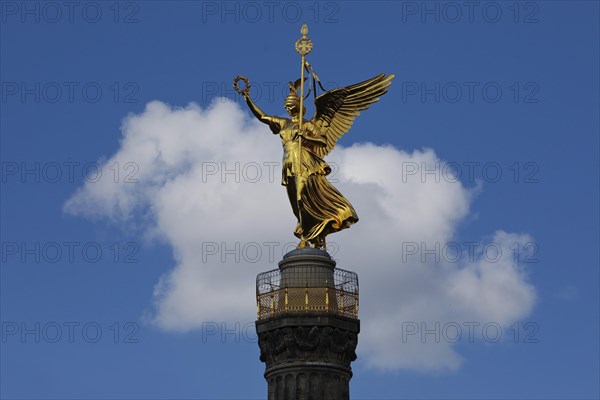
x=319, y=207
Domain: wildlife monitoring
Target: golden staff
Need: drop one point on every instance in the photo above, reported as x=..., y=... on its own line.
x=303, y=47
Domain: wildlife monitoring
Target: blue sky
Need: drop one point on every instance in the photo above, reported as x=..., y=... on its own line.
x=507, y=94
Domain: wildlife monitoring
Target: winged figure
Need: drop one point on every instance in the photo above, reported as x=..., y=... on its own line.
x=318, y=206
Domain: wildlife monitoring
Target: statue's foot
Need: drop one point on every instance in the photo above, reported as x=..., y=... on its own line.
x=318, y=243
x=302, y=244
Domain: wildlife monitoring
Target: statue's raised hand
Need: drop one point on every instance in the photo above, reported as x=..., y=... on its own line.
x=246, y=90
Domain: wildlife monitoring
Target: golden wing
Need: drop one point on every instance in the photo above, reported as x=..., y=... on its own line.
x=336, y=109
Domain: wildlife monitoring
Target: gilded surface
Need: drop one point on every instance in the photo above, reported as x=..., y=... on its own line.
x=319, y=207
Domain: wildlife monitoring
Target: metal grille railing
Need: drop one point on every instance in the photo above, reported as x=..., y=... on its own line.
x=338, y=297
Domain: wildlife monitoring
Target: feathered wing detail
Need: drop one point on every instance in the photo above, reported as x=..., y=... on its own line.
x=336, y=109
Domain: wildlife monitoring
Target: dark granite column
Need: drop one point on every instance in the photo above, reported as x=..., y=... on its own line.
x=308, y=327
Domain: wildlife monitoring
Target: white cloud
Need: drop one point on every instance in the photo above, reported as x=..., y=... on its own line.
x=207, y=183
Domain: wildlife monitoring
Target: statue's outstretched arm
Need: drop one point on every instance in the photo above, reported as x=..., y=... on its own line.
x=273, y=122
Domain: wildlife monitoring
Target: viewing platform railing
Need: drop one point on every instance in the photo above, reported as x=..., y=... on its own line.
x=307, y=293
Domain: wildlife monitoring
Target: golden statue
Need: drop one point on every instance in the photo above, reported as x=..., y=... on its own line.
x=319, y=207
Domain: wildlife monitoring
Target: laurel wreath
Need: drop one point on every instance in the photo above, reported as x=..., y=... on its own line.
x=246, y=90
